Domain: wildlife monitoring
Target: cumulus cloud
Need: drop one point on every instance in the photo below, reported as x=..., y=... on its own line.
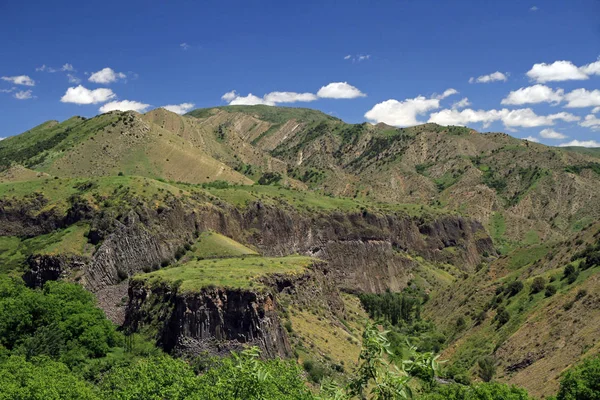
x=347, y=57
x=179, y=108
x=184, y=46
x=461, y=103
x=124, y=105
x=8, y=90
x=552, y=134
x=580, y=98
x=289, y=97
x=596, y=110
x=106, y=75
x=249, y=100
x=402, y=113
x=23, y=95
x=534, y=94
x=556, y=72
x=523, y=118
x=591, y=121
x=493, y=77
x=67, y=67
x=19, y=80
x=581, y=143
x=534, y=8
x=591, y=69
x=81, y=95
x=532, y=139
x=339, y=90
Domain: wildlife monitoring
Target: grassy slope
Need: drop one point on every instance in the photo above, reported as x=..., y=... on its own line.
x=238, y=272
x=215, y=245
x=549, y=333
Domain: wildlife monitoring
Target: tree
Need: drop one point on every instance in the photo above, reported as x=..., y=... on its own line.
x=41, y=379
x=581, y=382
x=550, y=290
x=480, y=391
x=487, y=368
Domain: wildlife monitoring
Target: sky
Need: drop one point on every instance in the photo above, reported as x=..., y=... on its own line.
x=530, y=68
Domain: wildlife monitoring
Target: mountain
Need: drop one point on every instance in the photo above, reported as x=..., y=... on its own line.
x=265, y=225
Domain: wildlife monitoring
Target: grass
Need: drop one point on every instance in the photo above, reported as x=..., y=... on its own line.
x=237, y=273
x=69, y=241
x=525, y=256
x=497, y=227
x=215, y=245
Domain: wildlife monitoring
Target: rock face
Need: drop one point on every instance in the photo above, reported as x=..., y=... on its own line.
x=218, y=320
x=45, y=267
x=214, y=320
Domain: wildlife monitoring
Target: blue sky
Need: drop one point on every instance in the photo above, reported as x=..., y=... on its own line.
x=376, y=61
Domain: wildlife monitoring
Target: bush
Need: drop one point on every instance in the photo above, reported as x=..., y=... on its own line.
x=480, y=391
x=502, y=316
x=487, y=368
x=513, y=288
x=538, y=285
x=550, y=290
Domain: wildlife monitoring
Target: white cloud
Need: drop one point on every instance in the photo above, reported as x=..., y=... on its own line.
x=532, y=139
x=534, y=8
x=466, y=116
x=552, y=134
x=289, y=97
x=73, y=78
x=493, y=77
x=124, y=105
x=524, y=117
x=67, y=67
x=402, y=113
x=81, y=95
x=2, y=138
x=447, y=93
x=580, y=98
x=591, y=69
x=19, y=80
x=249, y=100
x=358, y=57
x=581, y=143
x=591, y=121
x=8, y=90
x=179, y=108
x=339, y=90
x=45, y=68
x=229, y=96
x=556, y=72
x=596, y=110
x=461, y=103
x=106, y=75
x=534, y=94
x=184, y=46
x=23, y=95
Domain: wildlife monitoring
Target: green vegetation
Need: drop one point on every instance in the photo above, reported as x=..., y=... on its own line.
x=215, y=245
x=581, y=382
x=239, y=272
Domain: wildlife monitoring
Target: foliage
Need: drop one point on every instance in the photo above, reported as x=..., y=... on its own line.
x=487, y=368
x=581, y=382
x=393, y=307
x=538, y=285
x=61, y=322
x=480, y=391
x=41, y=379
x=270, y=178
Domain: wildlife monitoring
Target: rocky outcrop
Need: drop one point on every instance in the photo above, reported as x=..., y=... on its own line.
x=218, y=320
x=214, y=319
x=48, y=267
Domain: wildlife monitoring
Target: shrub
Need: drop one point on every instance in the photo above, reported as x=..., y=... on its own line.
x=550, y=290
x=538, y=285
x=502, y=316
x=487, y=368
x=513, y=288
